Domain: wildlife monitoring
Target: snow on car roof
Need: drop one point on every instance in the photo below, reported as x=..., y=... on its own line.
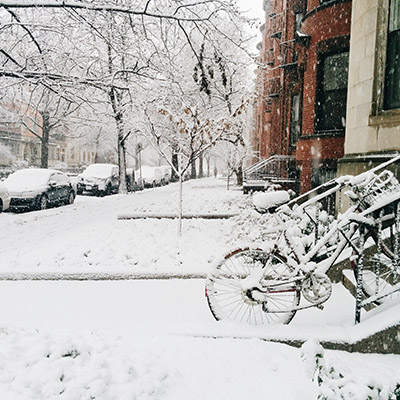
x=40, y=173
x=27, y=178
x=99, y=170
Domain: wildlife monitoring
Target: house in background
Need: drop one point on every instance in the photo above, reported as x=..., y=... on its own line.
x=300, y=109
x=21, y=135
x=17, y=135
x=328, y=87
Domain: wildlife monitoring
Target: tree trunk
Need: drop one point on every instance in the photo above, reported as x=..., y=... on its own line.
x=96, y=155
x=115, y=100
x=193, y=170
x=239, y=175
x=180, y=200
x=175, y=163
x=208, y=166
x=44, y=159
x=121, y=160
x=201, y=168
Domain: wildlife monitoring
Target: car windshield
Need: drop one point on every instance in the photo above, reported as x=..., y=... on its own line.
x=34, y=177
x=98, y=170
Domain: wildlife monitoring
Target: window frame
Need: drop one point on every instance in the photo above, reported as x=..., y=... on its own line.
x=295, y=130
x=379, y=116
x=320, y=93
x=390, y=101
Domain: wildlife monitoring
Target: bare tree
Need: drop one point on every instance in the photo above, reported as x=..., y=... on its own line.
x=73, y=48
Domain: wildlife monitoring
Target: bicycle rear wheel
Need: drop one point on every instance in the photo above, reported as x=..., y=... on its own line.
x=380, y=270
x=230, y=294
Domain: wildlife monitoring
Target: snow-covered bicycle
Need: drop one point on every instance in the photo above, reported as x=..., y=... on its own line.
x=269, y=285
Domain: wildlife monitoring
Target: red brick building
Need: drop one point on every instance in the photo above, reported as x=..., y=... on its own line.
x=300, y=106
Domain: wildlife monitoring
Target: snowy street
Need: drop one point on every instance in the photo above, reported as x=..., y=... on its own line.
x=154, y=338
x=87, y=237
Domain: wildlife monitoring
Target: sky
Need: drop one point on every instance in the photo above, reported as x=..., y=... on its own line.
x=254, y=7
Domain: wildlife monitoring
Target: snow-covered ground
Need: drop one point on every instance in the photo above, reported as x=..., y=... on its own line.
x=87, y=236
x=156, y=339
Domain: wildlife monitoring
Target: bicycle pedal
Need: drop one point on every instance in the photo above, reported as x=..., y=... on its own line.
x=320, y=306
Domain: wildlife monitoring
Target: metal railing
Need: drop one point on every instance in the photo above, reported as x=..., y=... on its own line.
x=275, y=168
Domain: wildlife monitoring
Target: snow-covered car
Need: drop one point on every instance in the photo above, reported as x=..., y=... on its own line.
x=39, y=188
x=133, y=181
x=99, y=179
x=73, y=177
x=151, y=176
x=4, y=198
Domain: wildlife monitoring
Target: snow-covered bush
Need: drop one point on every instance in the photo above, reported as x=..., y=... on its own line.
x=251, y=227
x=339, y=381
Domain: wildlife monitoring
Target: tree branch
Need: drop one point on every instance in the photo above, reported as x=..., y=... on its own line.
x=102, y=7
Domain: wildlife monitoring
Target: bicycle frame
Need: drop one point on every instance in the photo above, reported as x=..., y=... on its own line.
x=265, y=285
x=346, y=229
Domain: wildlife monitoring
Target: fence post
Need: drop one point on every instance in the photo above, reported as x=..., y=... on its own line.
x=360, y=267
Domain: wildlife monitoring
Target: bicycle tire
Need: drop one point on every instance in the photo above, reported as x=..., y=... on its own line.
x=380, y=273
x=229, y=300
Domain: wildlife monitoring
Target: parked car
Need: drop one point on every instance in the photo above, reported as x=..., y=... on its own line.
x=151, y=176
x=39, y=188
x=133, y=181
x=73, y=177
x=4, y=198
x=99, y=179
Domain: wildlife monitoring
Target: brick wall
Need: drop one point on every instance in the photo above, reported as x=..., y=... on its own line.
x=323, y=26
x=328, y=27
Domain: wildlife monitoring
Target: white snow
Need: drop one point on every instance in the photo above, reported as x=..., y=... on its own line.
x=265, y=201
x=98, y=170
x=27, y=180
x=156, y=339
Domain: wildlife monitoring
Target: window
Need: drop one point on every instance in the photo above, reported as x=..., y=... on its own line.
x=295, y=120
x=61, y=155
x=322, y=175
x=392, y=81
x=332, y=92
x=297, y=21
x=297, y=28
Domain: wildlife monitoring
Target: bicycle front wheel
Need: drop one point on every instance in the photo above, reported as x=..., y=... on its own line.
x=253, y=287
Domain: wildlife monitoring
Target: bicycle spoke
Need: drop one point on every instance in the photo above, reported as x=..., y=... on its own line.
x=229, y=298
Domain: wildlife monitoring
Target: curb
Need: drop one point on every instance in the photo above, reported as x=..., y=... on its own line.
x=95, y=276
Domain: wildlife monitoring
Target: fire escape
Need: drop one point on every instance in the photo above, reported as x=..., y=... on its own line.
x=281, y=69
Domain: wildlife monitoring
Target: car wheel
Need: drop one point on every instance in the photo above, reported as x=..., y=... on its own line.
x=1, y=206
x=42, y=203
x=71, y=198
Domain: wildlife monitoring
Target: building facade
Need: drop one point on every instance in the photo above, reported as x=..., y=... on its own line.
x=19, y=135
x=373, y=103
x=21, y=132
x=300, y=107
